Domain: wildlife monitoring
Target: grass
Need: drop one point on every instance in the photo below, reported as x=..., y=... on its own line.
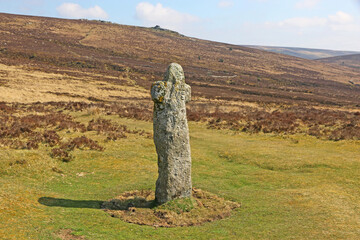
x=303, y=189
x=178, y=205
x=26, y=85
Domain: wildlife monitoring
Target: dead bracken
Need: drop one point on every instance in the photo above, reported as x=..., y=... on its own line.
x=29, y=126
x=139, y=207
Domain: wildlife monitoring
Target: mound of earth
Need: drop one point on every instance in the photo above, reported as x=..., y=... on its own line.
x=139, y=207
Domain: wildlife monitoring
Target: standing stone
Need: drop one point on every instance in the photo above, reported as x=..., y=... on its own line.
x=171, y=135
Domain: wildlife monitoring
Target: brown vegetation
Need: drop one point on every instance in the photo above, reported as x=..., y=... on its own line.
x=67, y=234
x=322, y=123
x=127, y=56
x=138, y=207
x=351, y=60
x=28, y=131
x=108, y=68
x=26, y=126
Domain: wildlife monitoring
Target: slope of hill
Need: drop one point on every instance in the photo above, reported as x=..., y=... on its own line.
x=352, y=60
x=128, y=56
x=306, y=53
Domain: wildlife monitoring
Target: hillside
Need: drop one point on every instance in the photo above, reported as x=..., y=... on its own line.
x=135, y=56
x=306, y=53
x=276, y=134
x=111, y=67
x=352, y=61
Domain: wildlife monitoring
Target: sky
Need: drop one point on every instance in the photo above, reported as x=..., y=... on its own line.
x=324, y=24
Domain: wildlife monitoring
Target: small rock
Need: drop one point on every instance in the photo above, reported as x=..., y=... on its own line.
x=81, y=174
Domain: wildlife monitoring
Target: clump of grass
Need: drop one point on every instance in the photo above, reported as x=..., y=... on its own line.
x=179, y=206
x=18, y=162
x=57, y=170
x=112, y=130
x=63, y=152
x=82, y=142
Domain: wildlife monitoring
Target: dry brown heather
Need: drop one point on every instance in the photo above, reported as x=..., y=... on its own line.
x=352, y=61
x=111, y=67
x=28, y=126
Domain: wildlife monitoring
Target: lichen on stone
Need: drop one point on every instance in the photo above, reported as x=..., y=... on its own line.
x=171, y=135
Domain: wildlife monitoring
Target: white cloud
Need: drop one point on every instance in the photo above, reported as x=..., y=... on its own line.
x=225, y=4
x=307, y=4
x=339, y=31
x=166, y=17
x=342, y=21
x=341, y=18
x=73, y=10
x=303, y=22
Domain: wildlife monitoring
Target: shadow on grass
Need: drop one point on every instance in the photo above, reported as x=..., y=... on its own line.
x=68, y=203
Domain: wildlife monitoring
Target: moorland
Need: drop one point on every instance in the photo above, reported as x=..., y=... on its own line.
x=307, y=53
x=276, y=133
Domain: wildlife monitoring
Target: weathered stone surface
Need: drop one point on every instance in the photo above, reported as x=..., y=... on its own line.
x=171, y=135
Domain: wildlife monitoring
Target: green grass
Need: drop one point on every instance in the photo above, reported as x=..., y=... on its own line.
x=178, y=205
x=288, y=190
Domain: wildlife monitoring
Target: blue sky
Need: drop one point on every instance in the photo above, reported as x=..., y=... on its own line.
x=328, y=24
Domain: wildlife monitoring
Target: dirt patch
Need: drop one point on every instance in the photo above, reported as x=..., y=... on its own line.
x=66, y=234
x=139, y=207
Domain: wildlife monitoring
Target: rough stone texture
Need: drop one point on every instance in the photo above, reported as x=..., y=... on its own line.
x=171, y=135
